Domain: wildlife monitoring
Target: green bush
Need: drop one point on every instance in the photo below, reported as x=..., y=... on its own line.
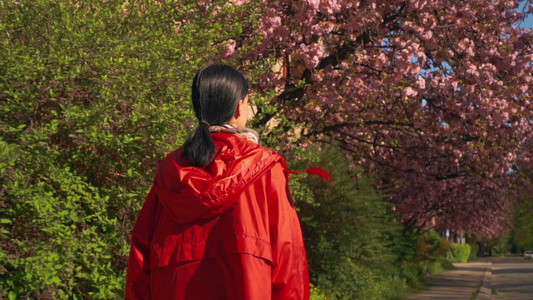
x=433, y=252
x=356, y=247
x=432, y=247
x=92, y=94
x=522, y=235
x=459, y=253
x=316, y=293
x=474, y=249
x=502, y=246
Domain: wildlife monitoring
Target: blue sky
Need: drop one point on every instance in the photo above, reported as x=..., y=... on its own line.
x=528, y=23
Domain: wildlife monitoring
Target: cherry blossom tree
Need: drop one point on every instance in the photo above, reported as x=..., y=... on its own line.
x=433, y=97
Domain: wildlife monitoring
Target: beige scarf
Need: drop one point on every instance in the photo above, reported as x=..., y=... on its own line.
x=246, y=133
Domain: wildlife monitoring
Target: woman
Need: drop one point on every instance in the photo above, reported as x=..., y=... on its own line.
x=219, y=222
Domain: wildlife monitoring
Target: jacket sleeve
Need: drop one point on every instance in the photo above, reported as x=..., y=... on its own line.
x=138, y=273
x=290, y=277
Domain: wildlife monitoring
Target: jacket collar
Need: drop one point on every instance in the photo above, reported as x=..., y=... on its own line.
x=246, y=133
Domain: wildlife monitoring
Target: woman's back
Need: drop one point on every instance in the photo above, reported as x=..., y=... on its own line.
x=224, y=230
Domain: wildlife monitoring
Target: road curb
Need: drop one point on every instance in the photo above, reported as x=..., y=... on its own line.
x=485, y=291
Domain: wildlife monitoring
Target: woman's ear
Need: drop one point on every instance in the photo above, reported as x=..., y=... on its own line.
x=241, y=114
x=243, y=105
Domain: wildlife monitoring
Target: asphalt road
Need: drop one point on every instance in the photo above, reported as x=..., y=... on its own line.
x=512, y=278
x=506, y=278
x=461, y=283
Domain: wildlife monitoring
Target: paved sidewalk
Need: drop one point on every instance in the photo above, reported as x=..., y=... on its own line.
x=461, y=283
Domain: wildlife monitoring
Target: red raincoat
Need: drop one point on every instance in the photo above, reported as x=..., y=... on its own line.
x=224, y=231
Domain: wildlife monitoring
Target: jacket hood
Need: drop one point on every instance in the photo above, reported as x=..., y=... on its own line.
x=189, y=193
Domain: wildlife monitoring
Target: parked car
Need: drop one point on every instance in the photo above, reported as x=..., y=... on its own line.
x=528, y=255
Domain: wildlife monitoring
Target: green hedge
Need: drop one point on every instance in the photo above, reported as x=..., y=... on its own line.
x=92, y=94
x=459, y=253
x=474, y=249
x=355, y=246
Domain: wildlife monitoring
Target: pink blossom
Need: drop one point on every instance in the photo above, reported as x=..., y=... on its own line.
x=314, y=4
x=322, y=28
x=420, y=83
x=409, y=92
x=311, y=54
x=239, y=2
x=229, y=49
x=435, y=105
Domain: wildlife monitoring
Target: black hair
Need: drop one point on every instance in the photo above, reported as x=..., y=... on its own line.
x=216, y=92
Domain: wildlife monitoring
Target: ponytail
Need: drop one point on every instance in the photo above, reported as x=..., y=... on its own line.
x=199, y=149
